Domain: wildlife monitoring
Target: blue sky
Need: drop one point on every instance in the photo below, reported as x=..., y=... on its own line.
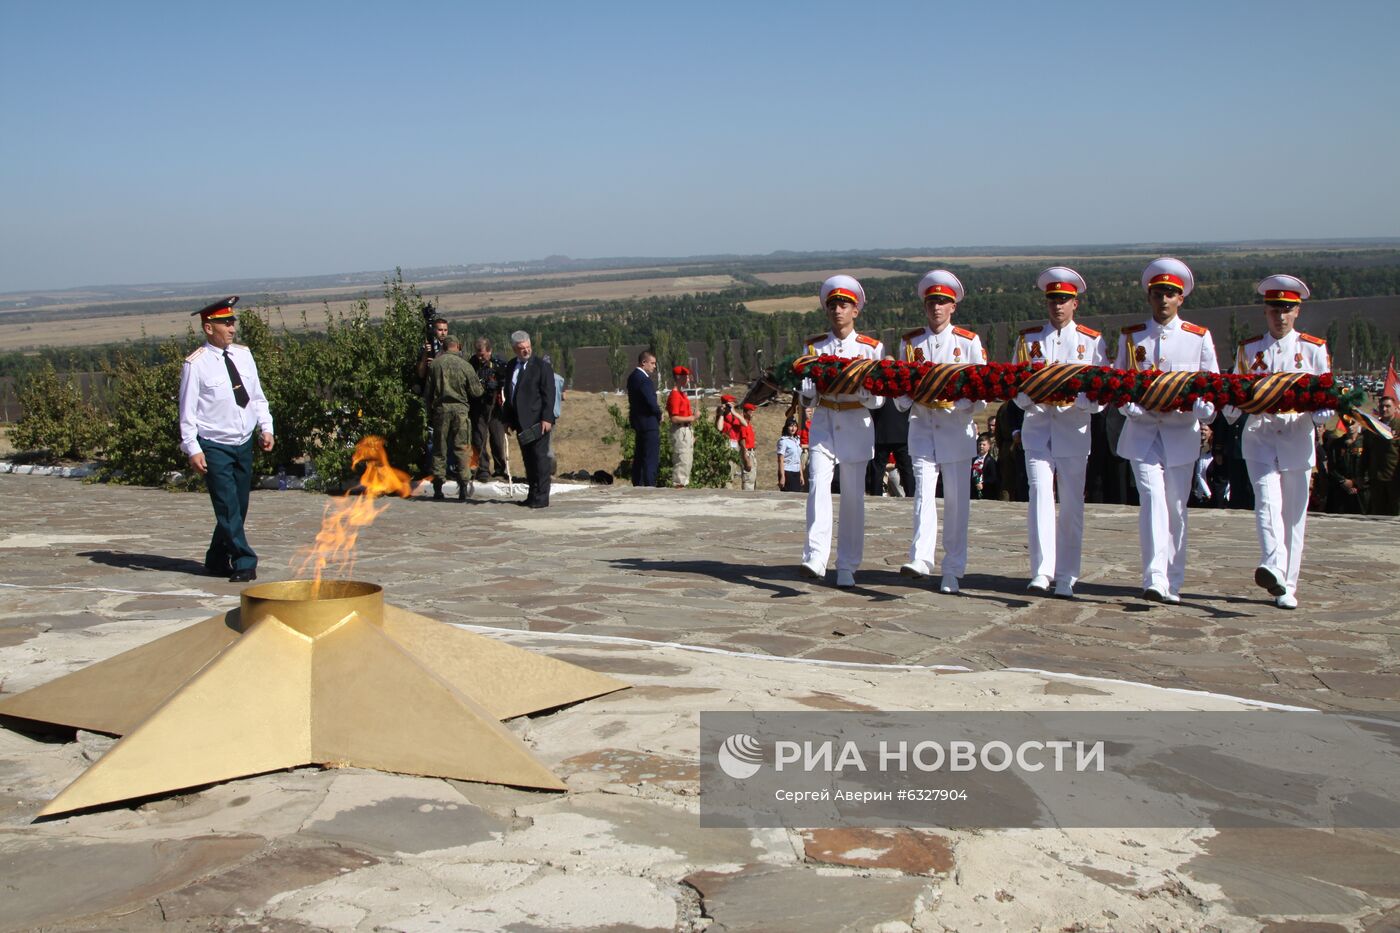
x=145, y=142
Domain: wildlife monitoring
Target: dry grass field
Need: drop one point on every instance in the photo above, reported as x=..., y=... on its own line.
x=774, y=305
x=96, y=330
x=820, y=275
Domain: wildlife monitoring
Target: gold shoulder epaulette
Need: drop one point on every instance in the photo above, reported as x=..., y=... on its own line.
x=1133, y=329
x=1087, y=331
x=914, y=334
x=868, y=341
x=816, y=339
x=964, y=333
x=1251, y=339
x=195, y=355
x=1196, y=329
x=1309, y=338
x=1032, y=330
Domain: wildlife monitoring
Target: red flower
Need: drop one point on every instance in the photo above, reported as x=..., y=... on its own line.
x=1325, y=380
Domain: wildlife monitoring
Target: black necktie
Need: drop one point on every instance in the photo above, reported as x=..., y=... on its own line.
x=240, y=394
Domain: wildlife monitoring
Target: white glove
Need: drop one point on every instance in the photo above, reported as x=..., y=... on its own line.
x=808, y=389
x=1323, y=415
x=1026, y=403
x=1232, y=414
x=903, y=403
x=869, y=399
x=1203, y=410
x=963, y=405
x=1082, y=402
x=1132, y=410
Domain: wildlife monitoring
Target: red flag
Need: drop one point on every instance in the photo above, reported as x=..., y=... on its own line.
x=1392, y=383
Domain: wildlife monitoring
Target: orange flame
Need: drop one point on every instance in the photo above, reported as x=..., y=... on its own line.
x=346, y=516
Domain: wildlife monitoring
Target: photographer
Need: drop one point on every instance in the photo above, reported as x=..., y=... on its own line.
x=730, y=421
x=434, y=345
x=486, y=412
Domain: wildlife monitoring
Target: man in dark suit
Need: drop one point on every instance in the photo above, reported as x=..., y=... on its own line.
x=529, y=411
x=645, y=416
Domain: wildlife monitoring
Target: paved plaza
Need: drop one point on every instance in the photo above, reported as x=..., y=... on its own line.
x=627, y=581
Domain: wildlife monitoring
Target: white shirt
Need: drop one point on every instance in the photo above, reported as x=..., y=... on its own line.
x=1174, y=346
x=849, y=435
x=1287, y=437
x=207, y=405
x=943, y=435
x=1054, y=431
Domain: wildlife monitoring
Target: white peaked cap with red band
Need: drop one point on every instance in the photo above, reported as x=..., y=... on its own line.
x=940, y=282
x=1168, y=271
x=1061, y=280
x=1283, y=288
x=843, y=286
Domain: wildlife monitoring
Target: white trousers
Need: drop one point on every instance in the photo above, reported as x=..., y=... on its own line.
x=1280, y=515
x=1056, y=544
x=850, y=545
x=957, y=487
x=1163, y=492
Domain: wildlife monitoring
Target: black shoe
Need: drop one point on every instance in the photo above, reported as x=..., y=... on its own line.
x=217, y=571
x=483, y=477
x=243, y=576
x=539, y=505
x=499, y=474
x=1269, y=581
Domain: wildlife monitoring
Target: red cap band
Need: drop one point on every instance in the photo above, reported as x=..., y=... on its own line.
x=1281, y=295
x=1166, y=278
x=1061, y=288
x=946, y=290
x=842, y=293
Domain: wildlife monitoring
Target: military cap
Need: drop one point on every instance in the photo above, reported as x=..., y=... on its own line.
x=1283, y=288
x=940, y=282
x=220, y=310
x=843, y=286
x=1061, y=280
x=1168, y=271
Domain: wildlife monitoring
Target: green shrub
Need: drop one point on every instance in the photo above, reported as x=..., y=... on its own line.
x=143, y=437
x=57, y=423
x=710, y=467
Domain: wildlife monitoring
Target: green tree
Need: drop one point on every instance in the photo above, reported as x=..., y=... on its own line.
x=143, y=440
x=57, y=422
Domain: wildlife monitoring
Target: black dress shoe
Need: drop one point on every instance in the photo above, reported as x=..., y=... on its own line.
x=217, y=571
x=243, y=576
x=539, y=505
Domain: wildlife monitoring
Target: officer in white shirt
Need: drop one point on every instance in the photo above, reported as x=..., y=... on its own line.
x=942, y=437
x=841, y=431
x=221, y=402
x=1163, y=446
x=1056, y=437
x=1279, y=449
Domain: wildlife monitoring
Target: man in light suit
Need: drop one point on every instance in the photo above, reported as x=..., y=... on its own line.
x=1279, y=449
x=942, y=437
x=645, y=416
x=1162, y=447
x=841, y=432
x=1055, y=438
x=529, y=411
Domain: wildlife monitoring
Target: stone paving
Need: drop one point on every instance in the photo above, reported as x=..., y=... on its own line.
x=90, y=570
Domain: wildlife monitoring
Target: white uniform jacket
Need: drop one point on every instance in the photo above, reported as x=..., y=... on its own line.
x=1179, y=345
x=943, y=435
x=1287, y=436
x=207, y=405
x=1048, y=430
x=841, y=424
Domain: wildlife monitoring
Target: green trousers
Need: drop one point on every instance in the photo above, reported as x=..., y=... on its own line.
x=230, y=479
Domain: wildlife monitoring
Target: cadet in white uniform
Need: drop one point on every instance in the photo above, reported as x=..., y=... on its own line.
x=841, y=431
x=1162, y=447
x=1279, y=449
x=942, y=438
x=1056, y=437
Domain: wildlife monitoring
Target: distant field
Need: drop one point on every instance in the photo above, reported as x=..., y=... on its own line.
x=118, y=329
x=817, y=277
x=1008, y=260
x=774, y=305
